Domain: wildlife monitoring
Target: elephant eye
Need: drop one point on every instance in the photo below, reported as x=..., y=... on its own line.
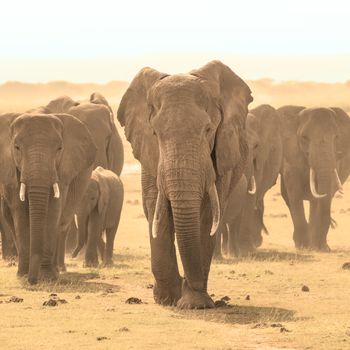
x=17, y=147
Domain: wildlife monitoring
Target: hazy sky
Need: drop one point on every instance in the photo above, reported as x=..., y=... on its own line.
x=102, y=40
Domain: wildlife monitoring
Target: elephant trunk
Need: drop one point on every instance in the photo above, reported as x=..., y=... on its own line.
x=38, y=206
x=186, y=216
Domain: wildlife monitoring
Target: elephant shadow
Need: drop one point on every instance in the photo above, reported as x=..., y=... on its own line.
x=270, y=255
x=241, y=314
x=75, y=282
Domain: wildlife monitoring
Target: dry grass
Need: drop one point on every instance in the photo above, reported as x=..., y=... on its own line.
x=273, y=279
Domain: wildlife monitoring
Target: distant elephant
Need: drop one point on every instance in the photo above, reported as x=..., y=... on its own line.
x=100, y=212
x=316, y=161
x=97, y=115
x=263, y=167
x=46, y=163
x=187, y=131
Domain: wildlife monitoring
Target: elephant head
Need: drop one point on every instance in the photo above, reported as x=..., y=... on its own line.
x=97, y=198
x=187, y=130
x=321, y=136
x=42, y=154
x=97, y=115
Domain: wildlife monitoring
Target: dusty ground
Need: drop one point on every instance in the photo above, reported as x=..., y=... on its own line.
x=278, y=314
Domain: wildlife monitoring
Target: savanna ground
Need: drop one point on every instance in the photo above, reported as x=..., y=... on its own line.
x=276, y=315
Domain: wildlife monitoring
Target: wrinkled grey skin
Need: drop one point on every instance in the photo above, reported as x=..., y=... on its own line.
x=187, y=131
x=100, y=212
x=40, y=150
x=97, y=115
x=317, y=138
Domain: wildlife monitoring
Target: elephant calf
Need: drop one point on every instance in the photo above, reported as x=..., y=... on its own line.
x=100, y=211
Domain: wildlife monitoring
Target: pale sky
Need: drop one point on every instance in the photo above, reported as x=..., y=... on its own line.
x=105, y=40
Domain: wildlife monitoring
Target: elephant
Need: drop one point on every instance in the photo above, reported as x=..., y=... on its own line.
x=187, y=131
x=98, y=117
x=316, y=161
x=47, y=160
x=100, y=212
x=263, y=167
x=97, y=114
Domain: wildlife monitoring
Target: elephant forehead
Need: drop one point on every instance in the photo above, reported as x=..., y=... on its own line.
x=180, y=87
x=43, y=126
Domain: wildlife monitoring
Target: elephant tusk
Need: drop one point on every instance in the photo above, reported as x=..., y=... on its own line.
x=22, y=192
x=76, y=220
x=56, y=190
x=253, y=183
x=215, y=207
x=339, y=185
x=313, y=187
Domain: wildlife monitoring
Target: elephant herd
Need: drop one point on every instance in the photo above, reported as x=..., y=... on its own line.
x=206, y=163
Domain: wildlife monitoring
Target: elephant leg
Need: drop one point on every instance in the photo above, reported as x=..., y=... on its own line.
x=300, y=234
x=224, y=233
x=245, y=237
x=293, y=184
x=168, y=282
x=94, y=234
x=21, y=226
x=72, y=238
x=320, y=212
x=233, y=229
x=101, y=247
x=8, y=245
x=48, y=267
x=108, y=255
x=217, y=249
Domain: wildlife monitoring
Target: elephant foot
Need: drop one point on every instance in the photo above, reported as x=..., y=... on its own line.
x=246, y=250
x=48, y=274
x=167, y=294
x=258, y=240
x=90, y=263
x=323, y=248
x=218, y=256
x=108, y=263
x=22, y=271
x=62, y=268
x=193, y=299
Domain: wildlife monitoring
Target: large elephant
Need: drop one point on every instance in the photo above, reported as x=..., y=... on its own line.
x=187, y=131
x=100, y=212
x=97, y=115
x=263, y=167
x=316, y=161
x=46, y=163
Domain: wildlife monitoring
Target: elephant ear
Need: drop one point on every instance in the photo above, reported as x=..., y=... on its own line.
x=133, y=114
x=103, y=199
x=79, y=150
x=60, y=105
x=7, y=165
x=343, y=122
x=232, y=95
